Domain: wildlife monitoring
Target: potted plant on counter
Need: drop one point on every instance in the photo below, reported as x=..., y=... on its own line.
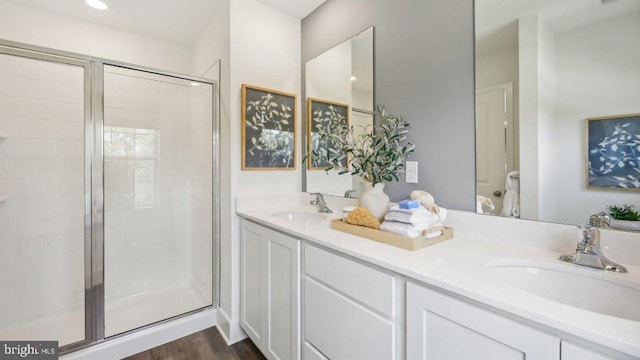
x=624, y=217
x=377, y=155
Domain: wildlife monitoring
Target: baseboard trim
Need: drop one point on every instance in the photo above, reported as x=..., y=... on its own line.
x=230, y=330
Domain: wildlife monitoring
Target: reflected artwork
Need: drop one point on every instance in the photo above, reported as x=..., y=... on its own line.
x=614, y=152
x=328, y=121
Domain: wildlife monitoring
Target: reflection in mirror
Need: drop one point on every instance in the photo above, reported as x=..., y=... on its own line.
x=542, y=68
x=342, y=74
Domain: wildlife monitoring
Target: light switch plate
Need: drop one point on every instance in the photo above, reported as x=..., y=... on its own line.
x=411, y=172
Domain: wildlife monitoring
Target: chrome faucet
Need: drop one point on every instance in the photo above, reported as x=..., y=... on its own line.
x=320, y=203
x=588, y=252
x=349, y=194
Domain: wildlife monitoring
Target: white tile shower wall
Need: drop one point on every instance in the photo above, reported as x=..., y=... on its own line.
x=41, y=174
x=147, y=246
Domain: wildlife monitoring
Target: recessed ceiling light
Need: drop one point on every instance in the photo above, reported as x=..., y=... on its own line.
x=195, y=84
x=97, y=4
x=353, y=78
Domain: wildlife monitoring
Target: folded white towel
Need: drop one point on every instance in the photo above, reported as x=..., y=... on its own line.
x=417, y=216
x=419, y=210
x=415, y=219
x=408, y=230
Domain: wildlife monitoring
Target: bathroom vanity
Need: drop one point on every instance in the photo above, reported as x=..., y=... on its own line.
x=311, y=292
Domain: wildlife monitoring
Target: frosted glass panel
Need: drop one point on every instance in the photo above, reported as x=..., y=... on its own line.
x=158, y=198
x=42, y=210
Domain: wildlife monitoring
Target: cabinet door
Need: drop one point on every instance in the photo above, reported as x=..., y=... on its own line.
x=270, y=290
x=252, y=280
x=440, y=327
x=574, y=352
x=283, y=296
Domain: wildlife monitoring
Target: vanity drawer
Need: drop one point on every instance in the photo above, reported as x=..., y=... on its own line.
x=366, y=284
x=341, y=328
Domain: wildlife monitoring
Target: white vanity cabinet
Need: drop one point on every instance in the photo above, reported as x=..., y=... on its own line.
x=270, y=290
x=306, y=298
x=352, y=310
x=440, y=327
x=572, y=351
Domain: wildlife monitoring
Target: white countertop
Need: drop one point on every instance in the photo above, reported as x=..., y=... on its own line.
x=459, y=266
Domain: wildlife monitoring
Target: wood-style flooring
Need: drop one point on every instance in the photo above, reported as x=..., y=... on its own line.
x=205, y=344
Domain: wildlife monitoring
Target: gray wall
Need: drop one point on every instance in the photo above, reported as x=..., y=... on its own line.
x=423, y=72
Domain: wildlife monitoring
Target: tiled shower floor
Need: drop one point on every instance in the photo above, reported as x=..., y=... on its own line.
x=148, y=307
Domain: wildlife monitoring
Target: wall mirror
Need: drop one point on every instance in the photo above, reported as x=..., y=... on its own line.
x=342, y=75
x=542, y=68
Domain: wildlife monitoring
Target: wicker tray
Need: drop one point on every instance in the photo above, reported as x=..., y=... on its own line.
x=393, y=239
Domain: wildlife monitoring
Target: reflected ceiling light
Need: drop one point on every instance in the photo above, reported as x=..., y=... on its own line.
x=97, y=4
x=353, y=78
x=195, y=84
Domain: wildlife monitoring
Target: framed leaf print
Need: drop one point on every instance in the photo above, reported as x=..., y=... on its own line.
x=268, y=129
x=327, y=122
x=614, y=152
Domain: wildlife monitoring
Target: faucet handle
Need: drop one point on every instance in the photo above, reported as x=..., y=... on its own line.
x=319, y=200
x=588, y=235
x=600, y=220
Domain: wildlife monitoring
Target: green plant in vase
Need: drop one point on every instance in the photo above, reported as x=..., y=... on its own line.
x=377, y=155
x=624, y=212
x=624, y=217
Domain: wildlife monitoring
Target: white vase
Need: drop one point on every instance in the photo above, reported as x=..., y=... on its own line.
x=375, y=200
x=625, y=225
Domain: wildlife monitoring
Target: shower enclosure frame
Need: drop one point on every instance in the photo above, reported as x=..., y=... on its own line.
x=94, y=254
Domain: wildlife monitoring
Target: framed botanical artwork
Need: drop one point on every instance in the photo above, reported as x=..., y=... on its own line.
x=614, y=152
x=268, y=129
x=326, y=120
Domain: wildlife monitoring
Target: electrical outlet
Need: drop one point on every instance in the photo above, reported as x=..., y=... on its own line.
x=411, y=172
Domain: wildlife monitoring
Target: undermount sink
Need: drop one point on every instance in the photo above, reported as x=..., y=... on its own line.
x=582, y=288
x=301, y=216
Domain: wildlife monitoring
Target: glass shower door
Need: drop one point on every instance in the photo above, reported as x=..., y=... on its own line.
x=158, y=166
x=44, y=209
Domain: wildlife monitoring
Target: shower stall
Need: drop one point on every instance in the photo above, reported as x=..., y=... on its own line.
x=108, y=196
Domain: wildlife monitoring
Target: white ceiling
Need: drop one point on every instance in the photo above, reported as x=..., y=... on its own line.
x=173, y=20
x=296, y=8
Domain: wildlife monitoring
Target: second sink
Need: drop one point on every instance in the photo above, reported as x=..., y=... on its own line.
x=581, y=288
